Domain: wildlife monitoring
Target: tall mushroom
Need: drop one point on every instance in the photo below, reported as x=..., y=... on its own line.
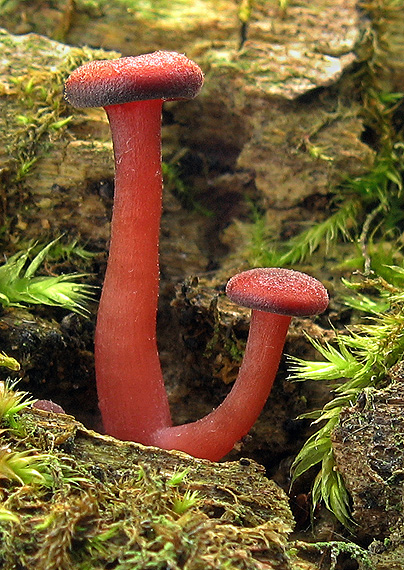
x=274, y=295
x=130, y=385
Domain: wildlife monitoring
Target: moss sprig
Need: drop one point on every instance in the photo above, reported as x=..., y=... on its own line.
x=19, y=285
x=12, y=400
x=27, y=466
x=22, y=466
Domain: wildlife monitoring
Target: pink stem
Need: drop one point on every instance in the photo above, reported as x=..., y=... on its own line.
x=130, y=384
x=215, y=435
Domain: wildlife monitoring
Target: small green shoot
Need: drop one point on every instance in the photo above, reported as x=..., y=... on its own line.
x=24, y=168
x=178, y=477
x=22, y=466
x=99, y=545
x=182, y=504
x=25, y=467
x=57, y=125
x=19, y=286
x=9, y=362
x=12, y=401
x=339, y=363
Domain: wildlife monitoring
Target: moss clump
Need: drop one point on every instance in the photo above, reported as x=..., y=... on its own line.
x=100, y=503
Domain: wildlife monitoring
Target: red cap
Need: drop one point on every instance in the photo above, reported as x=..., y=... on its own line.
x=159, y=75
x=278, y=290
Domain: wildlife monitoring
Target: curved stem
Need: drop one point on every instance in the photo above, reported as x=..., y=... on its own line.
x=215, y=435
x=130, y=385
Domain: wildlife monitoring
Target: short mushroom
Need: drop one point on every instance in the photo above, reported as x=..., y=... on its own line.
x=130, y=385
x=274, y=295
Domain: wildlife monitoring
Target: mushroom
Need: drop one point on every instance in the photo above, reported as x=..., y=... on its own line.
x=274, y=295
x=130, y=385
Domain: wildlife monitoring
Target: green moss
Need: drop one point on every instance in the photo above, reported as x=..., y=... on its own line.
x=89, y=515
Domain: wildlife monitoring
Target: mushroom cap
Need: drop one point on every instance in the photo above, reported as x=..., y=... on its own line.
x=278, y=290
x=160, y=75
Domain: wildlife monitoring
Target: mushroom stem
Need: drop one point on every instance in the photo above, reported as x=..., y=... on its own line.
x=130, y=385
x=214, y=436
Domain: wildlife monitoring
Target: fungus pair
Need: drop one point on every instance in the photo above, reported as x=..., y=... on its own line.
x=130, y=385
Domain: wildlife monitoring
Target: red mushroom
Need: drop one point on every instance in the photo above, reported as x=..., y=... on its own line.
x=274, y=295
x=130, y=385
